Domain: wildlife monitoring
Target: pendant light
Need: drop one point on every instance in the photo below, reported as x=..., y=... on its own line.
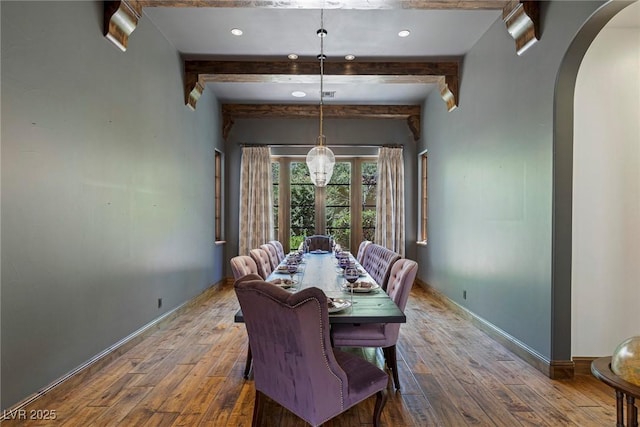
x=320, y=159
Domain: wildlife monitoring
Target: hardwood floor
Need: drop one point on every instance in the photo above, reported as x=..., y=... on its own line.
x=189, y=372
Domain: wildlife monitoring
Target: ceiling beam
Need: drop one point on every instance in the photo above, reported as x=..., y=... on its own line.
x=410, y=113
x=444, y=73
x=333, y=4
x=120, y=20
x=522, y=18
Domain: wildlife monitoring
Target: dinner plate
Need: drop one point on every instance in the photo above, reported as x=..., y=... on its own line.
x=284, y=270
x=283, y=283
x=338, y=304
x=319, y=251
x=361, y=287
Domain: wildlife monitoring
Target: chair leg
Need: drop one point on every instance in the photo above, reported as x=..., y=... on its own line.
x=392, y=364
x=247, y=366
x=257, y=409
x=381, y=400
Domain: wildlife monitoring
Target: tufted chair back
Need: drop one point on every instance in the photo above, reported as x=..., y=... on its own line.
x=242, y=265
x=401, y=278
x=319, y=243
x=279, y=249
x=262, y=261
x=361, y=250
x=273, y=255
x=378, y=261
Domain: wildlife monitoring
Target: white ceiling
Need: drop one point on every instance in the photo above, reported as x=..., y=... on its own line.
x=274, y=33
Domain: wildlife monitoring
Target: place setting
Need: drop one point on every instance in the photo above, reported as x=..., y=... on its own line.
x=362, y=286
x=284, y=283
x=335, y=305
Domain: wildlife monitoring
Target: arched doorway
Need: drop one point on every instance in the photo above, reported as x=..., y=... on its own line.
x=563, y=165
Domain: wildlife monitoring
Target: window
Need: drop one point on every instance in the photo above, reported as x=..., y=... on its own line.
x=345, y=208
x=424, y=199
x=218, y=195
x=338, y=204
x=369, y=187
x=302, y=204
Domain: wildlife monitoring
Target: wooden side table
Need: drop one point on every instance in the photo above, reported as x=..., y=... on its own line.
x=601, y=369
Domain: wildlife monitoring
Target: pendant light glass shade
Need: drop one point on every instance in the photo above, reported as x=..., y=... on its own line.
x=320, y=161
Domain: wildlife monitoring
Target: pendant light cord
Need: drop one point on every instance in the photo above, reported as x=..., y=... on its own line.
x=322, y=35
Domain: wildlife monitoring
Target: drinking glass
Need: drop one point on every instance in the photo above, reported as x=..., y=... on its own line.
x=292, y=268
x=351, y=275
x=343, y=262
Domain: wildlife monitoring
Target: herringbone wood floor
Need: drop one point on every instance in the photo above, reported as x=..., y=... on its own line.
x=189, y=372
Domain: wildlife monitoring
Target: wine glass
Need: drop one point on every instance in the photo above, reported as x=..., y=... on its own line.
x=351, y=275
x=292, y=268
x=343, y=261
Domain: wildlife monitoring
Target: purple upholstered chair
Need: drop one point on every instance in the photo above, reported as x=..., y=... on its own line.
x=294, y=363
x=241, y=266
x=279, y=249
x=273, y=255
x=378, y=261
x=383, y=335
x=261, y=257
x=361, y=250
x=319, y=243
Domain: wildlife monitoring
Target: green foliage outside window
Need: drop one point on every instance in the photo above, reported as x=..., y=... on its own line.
x=338, y=203
x=369, y=188
x=303, y=201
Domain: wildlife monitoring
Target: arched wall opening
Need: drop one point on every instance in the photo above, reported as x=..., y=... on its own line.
x=563, y=175
x=606, y=189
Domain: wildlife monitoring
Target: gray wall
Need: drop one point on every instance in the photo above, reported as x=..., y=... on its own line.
x=107, y=189
x=491, y=182
x=339, y=133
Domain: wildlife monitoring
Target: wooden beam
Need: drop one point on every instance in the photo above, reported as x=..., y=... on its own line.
x=522, y=18
x=410, y=113
x=120, y=19
x=448, y=86
x=443, y=73
x=412, y=72
x=334, y=4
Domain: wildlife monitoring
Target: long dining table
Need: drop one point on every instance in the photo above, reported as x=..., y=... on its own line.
x=320, y=269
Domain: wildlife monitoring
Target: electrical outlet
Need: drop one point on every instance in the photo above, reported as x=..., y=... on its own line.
x=464, y=294
x=159, y=302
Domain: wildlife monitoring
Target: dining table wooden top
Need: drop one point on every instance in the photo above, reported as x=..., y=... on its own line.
x=320, y=269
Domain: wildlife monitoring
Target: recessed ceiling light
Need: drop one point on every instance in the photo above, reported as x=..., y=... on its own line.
x=298, y=94
x=350, y=57
x=404, y=33
x=236, y=32
x=292, y=56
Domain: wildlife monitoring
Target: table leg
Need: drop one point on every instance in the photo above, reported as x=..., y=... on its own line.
x=619, y=409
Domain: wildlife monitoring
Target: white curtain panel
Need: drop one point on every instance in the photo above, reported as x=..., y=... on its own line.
x=256, y=206
x=390, y=203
